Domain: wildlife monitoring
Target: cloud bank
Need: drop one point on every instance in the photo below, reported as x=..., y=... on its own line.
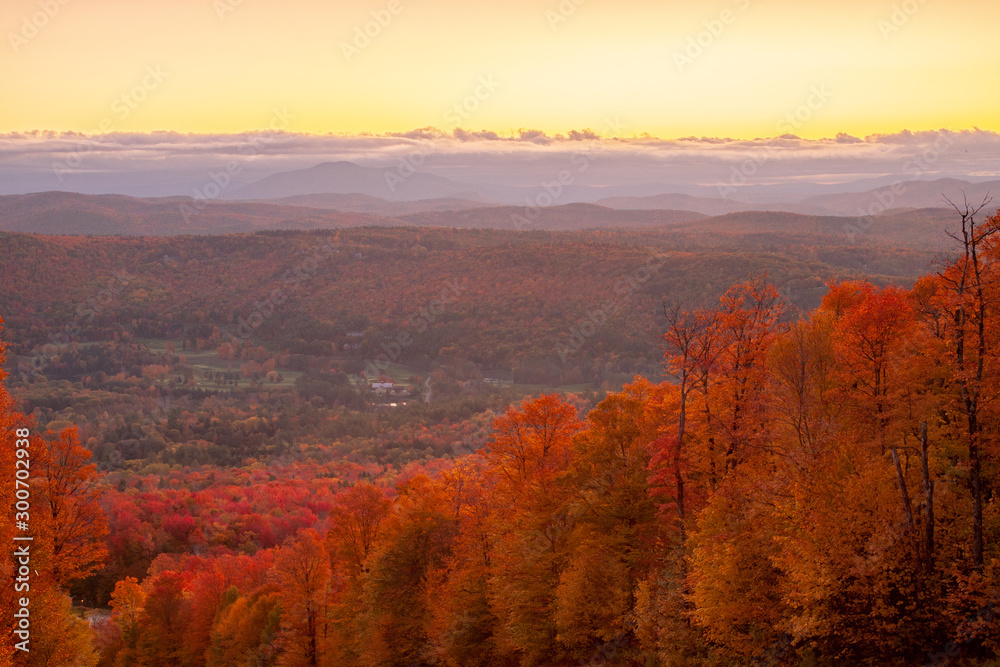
x=168, y=163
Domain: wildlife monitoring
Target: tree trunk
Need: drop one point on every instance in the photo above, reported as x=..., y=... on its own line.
x=678, y=476
x=928, y=502
x=907, y=506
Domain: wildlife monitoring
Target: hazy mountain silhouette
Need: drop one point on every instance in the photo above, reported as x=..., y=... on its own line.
x=393, y=184
x=909, y=194
x=357, y=203
x=568, y=217
x=76, y=214
x=896, y=194
x=71, y=213
x=702, y=205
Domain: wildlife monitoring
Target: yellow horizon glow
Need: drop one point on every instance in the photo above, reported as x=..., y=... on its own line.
x=229, y=63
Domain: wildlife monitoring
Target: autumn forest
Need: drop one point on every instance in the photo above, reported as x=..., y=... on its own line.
x=796, y=476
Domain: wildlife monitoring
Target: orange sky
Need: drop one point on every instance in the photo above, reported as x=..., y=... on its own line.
x=763, y=67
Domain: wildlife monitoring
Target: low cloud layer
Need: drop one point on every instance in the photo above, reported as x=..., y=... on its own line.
x=170, y=163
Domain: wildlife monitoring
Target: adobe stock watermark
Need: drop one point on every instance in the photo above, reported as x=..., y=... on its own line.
x=551, y=191
x=219, y=181
x=900, y=16
x=419, y=322
x=363, y=35
x=463, y=110
x=86, y=312
x=787, y=124
x=223, y=7
x=885, y=198
x=410, y=164
x=291, y=282
x=792, y=121
x=953, y=649
x=562, y=12
x=121, y=108
x=714, y=28
x=597, y=319
x=33, y=24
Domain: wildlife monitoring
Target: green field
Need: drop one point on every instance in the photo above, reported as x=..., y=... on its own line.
x=208, y=361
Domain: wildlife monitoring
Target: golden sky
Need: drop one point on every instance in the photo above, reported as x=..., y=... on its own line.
x=731, y=68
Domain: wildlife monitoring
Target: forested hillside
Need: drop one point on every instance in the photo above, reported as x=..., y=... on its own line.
x=812, y=490
x=536, y=307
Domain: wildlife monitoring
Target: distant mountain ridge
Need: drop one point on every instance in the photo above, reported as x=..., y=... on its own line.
x=358, y=203
x=914, y=194
x=75, y=214
x=566, y=217
x=61, y=213
x=407, y=188
x=401, y=183
x=343, y=185
x=702, y=205
x=909, y=194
